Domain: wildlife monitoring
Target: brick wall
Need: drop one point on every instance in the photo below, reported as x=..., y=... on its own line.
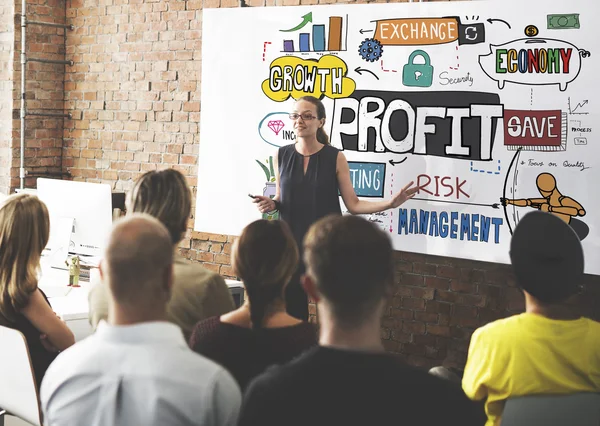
x=134, y=92
x=6, y=87
x=44, y=91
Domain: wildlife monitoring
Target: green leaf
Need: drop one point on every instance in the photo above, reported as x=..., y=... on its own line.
x=264, y=170
x=271, y=166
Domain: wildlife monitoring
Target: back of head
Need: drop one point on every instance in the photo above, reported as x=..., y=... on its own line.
x=165, y=195
x=547, y=257
x=24, y=232
x=138, y=261
x=265, y=257
x=351, y=262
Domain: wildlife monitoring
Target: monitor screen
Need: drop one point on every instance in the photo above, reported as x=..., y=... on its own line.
x=90, y=206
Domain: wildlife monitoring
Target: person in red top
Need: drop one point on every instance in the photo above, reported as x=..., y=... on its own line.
x=260, y=333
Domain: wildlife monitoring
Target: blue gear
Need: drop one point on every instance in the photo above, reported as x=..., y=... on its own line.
x=370, y=50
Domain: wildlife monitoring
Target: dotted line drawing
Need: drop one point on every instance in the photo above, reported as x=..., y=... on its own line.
x=265, y=49
x=489, y=172
x=531, y=98
x=384, y=70
x=457, y=61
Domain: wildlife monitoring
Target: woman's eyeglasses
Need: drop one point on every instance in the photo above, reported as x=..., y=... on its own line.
x=305, y=116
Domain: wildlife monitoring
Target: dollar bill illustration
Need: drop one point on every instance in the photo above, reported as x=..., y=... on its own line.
x=560, y=22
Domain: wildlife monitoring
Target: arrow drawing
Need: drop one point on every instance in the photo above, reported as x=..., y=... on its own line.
x=365, y=31
x=491, y=21
x=360, y=70
x=494, y=206
x=305, y=20
x=579, y=105
x=393, y=163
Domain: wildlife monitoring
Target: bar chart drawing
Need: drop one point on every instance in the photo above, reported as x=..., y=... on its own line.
x=321, y=38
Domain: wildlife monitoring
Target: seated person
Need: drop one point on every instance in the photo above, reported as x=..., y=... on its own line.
x=348, y=379
x=24, y=232
x=547, y=349
x=137, y=368
x=260, y=333
x=197, y=292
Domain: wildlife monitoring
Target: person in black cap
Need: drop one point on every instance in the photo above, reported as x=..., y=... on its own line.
x=546, y=350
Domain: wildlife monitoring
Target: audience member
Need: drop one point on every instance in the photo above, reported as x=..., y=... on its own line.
x=260, y=333
x=137, y=369
x=24, y=232
x=547, y=349
x=349, y=379
x=197, y=292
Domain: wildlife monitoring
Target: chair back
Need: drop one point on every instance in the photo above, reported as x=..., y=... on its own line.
x=578, y=409
x=18, y=390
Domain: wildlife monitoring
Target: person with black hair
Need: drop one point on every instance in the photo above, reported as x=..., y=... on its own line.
x=260, y=333
x=349, y=379
x=311, y=175
x=548, y=349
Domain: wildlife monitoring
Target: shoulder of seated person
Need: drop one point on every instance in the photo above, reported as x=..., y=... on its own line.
x=281, y=374
x=499, y=326
x=185, y=267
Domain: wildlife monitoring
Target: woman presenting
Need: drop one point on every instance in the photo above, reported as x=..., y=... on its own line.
x=310, y=173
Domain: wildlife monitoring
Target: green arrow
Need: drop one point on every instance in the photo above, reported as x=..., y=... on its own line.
x=306, y=19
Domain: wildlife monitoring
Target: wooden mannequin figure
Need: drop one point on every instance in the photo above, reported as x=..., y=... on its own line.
x=74, y=271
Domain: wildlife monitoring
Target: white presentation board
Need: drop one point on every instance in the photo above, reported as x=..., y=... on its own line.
x=477, y=102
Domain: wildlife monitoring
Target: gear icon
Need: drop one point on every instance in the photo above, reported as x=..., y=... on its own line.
x=370, y=50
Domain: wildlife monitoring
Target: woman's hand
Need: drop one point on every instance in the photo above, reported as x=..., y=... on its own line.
x=264, y=204
x=405, y=194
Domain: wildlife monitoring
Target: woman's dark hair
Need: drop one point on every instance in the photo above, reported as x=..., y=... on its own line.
x=322, y=136
x=265, y=257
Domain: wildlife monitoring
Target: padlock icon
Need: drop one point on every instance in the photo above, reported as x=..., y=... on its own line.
x=418, y=75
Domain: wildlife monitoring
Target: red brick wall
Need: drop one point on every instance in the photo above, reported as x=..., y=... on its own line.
x=6, y=90
x=44, y=91
x=134, y=92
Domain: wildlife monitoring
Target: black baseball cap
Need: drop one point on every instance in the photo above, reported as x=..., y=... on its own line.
x=547, y=257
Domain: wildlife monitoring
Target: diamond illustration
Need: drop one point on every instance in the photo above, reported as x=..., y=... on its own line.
x=276, y=126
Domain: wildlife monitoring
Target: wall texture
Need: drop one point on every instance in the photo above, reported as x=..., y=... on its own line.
x=7, y=29
x=44, y=91
x=134, y=93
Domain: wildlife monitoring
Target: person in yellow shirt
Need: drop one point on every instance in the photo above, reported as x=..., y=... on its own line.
x=546, y=350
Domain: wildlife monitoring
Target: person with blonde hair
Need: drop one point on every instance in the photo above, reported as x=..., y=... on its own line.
x=24, y=232
x=260, y=333
x=197, y=292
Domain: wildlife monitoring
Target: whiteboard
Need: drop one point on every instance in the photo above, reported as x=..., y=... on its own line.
x=474, y=101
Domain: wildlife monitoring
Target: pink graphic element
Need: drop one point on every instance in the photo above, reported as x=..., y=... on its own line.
x=391, y=210
x=276, y=126
x=384, y=70
x=457, y=61
x=265, y=49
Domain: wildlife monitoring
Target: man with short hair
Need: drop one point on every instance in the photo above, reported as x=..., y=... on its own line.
x=137, y=369
x=547, y=349
x=349, y=379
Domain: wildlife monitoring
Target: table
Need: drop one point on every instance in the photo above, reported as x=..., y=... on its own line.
x=72, y=304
